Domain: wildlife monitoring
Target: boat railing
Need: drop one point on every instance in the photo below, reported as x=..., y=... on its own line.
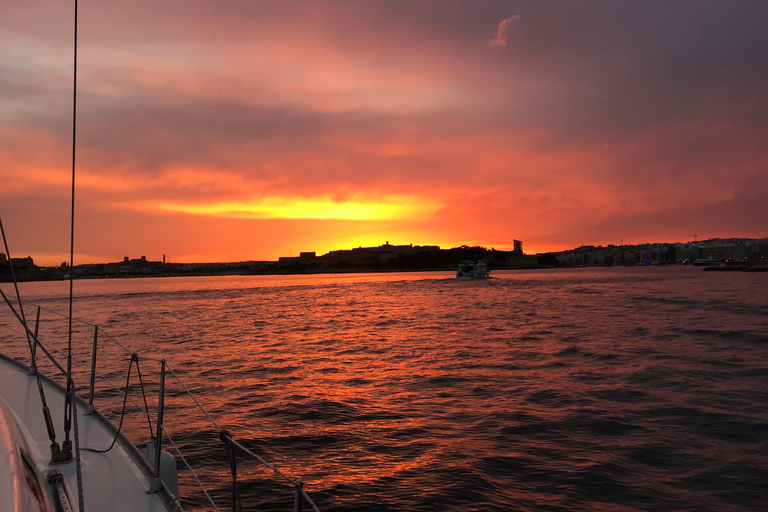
x=162, y=434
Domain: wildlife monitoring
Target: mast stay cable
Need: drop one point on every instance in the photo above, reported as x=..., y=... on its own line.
x=69, y=405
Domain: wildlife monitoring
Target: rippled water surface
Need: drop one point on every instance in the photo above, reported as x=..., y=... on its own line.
x=595, y=389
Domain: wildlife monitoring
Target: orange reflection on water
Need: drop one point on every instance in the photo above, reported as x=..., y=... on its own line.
x=600, y=389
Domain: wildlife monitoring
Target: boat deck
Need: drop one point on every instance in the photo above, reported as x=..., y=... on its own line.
x=117, y=480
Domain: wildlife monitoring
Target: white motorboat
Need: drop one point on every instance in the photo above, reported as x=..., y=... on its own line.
x=706, y=262
x=472, y=269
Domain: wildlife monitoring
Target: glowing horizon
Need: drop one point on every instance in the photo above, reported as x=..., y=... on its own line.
x=301, y=208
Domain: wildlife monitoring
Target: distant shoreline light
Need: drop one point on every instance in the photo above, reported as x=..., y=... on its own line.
x=390, y=208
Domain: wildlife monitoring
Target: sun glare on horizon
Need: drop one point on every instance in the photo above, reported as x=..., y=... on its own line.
x=390, y=208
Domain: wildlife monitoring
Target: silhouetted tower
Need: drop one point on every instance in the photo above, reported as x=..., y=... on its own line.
x=518, y=247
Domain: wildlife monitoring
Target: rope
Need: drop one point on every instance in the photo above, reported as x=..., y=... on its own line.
x=122, y=414
x=101, y=375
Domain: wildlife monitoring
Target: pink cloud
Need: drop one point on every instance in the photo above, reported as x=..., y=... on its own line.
x=506, y=25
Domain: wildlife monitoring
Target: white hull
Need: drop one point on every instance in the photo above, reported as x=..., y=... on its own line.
x=117, y=481
x=470, y=270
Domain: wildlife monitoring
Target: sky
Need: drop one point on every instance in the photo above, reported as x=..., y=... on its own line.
x=248, y=130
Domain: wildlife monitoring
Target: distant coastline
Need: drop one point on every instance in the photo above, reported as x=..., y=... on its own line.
x=384, y=258
x=744, y=254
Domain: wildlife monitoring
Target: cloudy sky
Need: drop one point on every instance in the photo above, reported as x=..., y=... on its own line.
x=236, y=130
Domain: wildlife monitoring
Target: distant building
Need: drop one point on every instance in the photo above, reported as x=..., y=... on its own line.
x=684, y=253
x=23, y=263
x=758, y=250
x=372, y=256
x=519, y=260
x=132, y=266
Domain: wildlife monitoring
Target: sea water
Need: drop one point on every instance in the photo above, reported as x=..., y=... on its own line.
x=582, y=389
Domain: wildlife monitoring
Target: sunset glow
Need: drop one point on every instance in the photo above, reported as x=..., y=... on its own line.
x=282, y=208
x=240, y=130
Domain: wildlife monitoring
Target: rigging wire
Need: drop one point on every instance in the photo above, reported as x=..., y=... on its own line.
x=16, y=287
x=67, y=445
x=55, y=449
x=37, y=341
x=69, y=405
